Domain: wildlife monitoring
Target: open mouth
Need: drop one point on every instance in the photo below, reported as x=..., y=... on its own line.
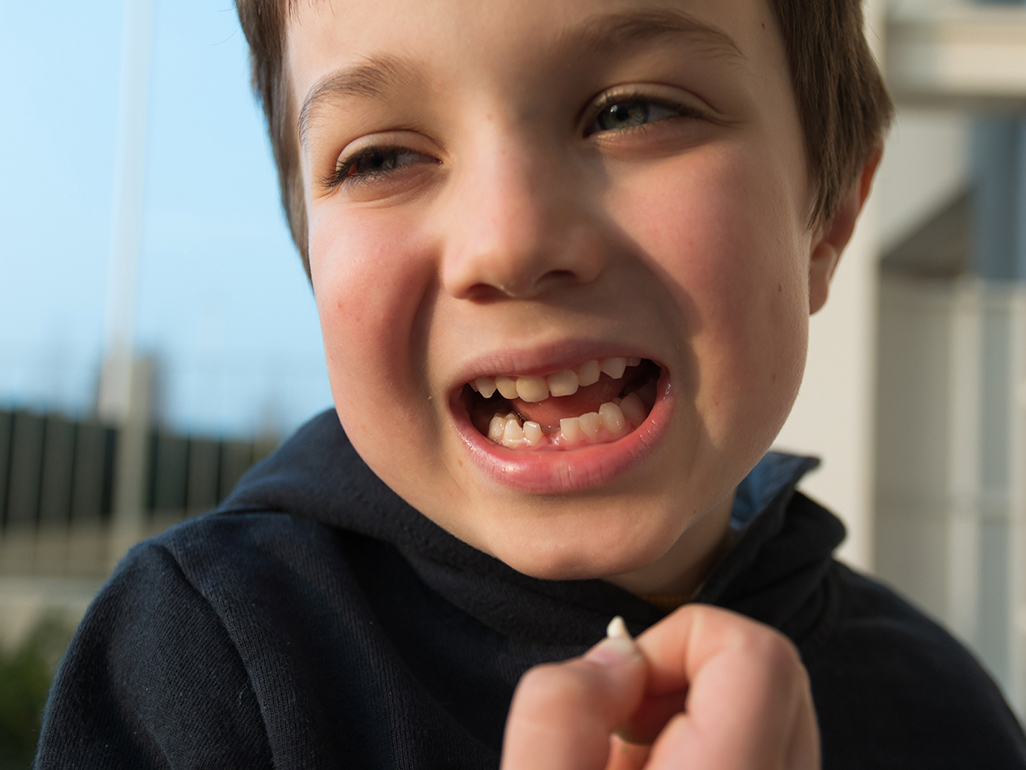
x=597, y=402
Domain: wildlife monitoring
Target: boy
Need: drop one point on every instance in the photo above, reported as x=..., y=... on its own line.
x=564, y=254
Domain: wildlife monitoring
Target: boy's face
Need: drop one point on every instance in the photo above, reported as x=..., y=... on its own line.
x=514, y=190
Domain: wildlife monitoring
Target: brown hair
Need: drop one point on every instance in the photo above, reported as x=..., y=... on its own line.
x=842, y=101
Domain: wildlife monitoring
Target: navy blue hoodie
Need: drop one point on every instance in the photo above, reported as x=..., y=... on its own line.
x=317, y=621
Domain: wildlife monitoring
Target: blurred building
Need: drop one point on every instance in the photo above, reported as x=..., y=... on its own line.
x=917, y=378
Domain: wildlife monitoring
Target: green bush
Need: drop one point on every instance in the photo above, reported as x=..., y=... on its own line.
x=25, y=675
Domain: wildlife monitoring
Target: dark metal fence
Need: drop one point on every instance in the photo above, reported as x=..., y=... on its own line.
x=57, y=488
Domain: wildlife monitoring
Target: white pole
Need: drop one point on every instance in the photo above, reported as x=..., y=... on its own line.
x=127, y=214
x=124, y=393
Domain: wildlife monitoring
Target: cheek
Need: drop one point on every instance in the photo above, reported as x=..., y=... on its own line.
x=369, y=287
x=724, y=232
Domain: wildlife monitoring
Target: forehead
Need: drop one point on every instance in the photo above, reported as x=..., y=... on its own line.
x=383, y=42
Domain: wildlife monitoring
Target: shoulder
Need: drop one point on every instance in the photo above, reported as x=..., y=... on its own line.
x=893, y=686
x=172, y=663
x=152, y=678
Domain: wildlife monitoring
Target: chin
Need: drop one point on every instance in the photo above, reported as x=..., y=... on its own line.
x=585, y=546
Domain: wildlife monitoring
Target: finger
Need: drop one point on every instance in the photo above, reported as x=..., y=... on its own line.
x=563, y=713
x=626, y=756
x=651, y=716
x=748, y=696
x=804, y=753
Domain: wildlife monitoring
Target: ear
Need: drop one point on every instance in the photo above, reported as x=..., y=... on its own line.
x=833, y=236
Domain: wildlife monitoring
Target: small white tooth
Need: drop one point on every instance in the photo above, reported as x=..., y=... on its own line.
x=570, y=427
x=612, y=418
x=485, y=386
x=496, y=428
x=588, y=373
x=563, y=383
x=614, y=367
x=590, y=424
x=473, y=387
x=533, y=432
x=513, y=435
x=507, y=386
x=633, y=361
x=532, y=389
x=511, y=416
x=633, y=409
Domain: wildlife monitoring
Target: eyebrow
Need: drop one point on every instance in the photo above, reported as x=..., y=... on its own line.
x=608, y=32
x=374, y=78
x=380, y=75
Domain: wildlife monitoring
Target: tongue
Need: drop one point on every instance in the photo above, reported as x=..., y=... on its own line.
x=549, y=412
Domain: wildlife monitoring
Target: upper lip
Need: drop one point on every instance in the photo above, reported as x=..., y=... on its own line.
x=542, y=361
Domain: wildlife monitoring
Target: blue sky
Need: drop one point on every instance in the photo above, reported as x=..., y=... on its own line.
x=223, y=301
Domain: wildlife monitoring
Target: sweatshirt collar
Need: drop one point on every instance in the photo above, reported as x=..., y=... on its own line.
x=318, y=475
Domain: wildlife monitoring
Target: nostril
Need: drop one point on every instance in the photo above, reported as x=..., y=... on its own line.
x=560, y=275
x=483, y=291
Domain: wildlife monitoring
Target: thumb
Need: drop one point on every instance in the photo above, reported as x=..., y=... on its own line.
x=563, y=713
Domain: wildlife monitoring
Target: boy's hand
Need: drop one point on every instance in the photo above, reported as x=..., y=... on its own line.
x=707, y=689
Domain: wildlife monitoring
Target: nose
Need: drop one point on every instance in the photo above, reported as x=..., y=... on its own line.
x=518, y=227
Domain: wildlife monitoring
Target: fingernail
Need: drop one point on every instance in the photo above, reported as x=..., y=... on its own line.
x=617, y=647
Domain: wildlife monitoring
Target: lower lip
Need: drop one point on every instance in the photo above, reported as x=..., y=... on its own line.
x=572, y=470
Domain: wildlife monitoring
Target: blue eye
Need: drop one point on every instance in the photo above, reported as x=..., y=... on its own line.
x=623, y=115
x=375, y=162
x=633, y=113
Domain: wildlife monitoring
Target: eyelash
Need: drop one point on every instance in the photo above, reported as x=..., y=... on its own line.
x=342, y=175
x=675, y=109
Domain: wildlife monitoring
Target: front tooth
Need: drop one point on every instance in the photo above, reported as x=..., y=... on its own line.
x=588, y=374
x=532, y=432
x=513, y=434
x=507, y=386
x=570, y=427
x=485, y=386
x=562, y=383
x=532, y=389
x=633, y=409
x=614, y=367
x=590, y=424
x=612, y=418
x=496, y=428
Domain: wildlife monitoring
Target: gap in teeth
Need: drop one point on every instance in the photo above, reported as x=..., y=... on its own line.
x=533, y=389
x=613, y=419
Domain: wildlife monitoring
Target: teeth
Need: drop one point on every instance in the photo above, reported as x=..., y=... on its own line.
x=485, y=386
x=633, y=409
x=507, y=386
x=612, y=418
x=588, y=374
x=532, y=389
x=590, y=424
x=563, y=383
x=496, y=428
x=570, y=427
x=614, y=367
x=513, y=435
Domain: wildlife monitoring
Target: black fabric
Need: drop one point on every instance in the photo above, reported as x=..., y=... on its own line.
x=317, y=621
